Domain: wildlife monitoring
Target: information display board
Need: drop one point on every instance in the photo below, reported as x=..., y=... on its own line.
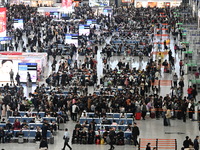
x=54, y=14
x=91, y=21
x=19, y=23
x=24, y=68
x=71, y=39
x=107, y=11
x=84, y=30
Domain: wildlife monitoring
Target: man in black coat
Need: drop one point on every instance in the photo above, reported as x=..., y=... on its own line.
x=186, y=143
x=112, y=137
x=196, y=143
x=135, y=134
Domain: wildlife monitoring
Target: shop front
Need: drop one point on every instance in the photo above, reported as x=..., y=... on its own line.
x=157, y=3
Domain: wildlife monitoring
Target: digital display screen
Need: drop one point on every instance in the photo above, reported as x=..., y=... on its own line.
x=71, y=39
x=54, y=14
x=84, y=30
x=18, y=23
x=5, y=67
x=91, y=21
x=23, y=68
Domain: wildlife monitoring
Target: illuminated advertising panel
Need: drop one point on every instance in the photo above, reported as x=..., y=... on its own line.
x=66, y=3
x=2, y=22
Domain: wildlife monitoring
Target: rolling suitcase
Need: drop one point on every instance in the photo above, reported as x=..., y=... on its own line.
x=138, y=116
x=61, y=126
x=152, y=115
x=51, y=140
x=20, y=139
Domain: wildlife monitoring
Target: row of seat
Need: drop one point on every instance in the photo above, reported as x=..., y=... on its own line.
x=110, y=115
x=106, y=126
x=31, y=125
x=28, y=119
x=23, y=113
x=124, y=41
x=29, y=134
x=99, y=120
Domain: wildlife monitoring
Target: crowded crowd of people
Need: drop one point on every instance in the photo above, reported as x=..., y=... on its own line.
x=122, y=89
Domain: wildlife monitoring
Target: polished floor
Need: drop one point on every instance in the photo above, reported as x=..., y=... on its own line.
x=149, y=128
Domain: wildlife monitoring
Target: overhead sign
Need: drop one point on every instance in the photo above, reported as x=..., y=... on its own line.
x=18, y=23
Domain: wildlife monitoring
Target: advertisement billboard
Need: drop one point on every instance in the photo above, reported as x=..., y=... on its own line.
x=2, y=22
x=66, y=3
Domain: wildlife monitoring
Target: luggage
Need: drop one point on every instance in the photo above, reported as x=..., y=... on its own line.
x=120, y=142
x=97, y=141
x=20, y=139
x=51, y=140
x=152, y=115
x=138, y=116
x=179, y=115
x=61, y=126
x=102, y=141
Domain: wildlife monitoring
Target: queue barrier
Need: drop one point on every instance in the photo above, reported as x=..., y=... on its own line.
x=165, y=144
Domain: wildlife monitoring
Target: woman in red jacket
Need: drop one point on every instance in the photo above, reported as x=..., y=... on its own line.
x=16, y=125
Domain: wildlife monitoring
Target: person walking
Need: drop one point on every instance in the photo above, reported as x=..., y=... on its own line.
x=66, y=138
x=112, y=137
x=196, y=143
x=17, y=78
x=43, y=144
x=135, y=134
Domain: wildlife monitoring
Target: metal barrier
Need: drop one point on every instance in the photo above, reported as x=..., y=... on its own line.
x=165, y=144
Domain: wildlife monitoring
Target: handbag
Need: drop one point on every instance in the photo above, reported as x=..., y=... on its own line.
x=66, y=139
x=108, y=139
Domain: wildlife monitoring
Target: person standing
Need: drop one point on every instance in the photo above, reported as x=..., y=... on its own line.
x=11, y=76
x=66, y=138
x=135, y=133
x=186, y=143
x=196, y=143
x=1, y=104
x=112, y=137
x=168, y=116
x=17, y=78
x=29, y=80
x=75, y=110
x=175, y=80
